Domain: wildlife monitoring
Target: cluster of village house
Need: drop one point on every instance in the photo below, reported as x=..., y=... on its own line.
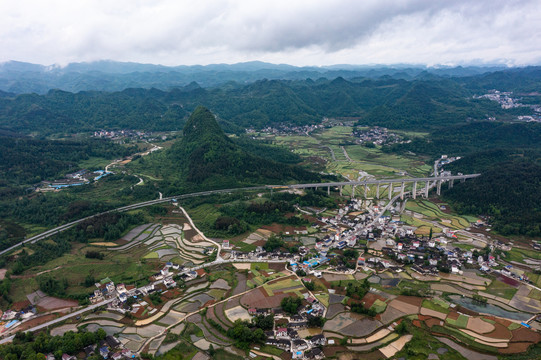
x=108, y=348
x=287, y=129
x=376, y=135
x=106, y=289
x=77, y=178
x=287, y=337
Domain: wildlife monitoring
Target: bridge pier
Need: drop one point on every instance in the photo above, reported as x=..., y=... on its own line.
x=451, y=183
x=340, y=187
x=377, y=192
x=438, y=187
x=365, y=191
x=328, y=190
x=402, y=191
x=427, y=188
x=353, y=192
x=414, y=190
x=390, y=190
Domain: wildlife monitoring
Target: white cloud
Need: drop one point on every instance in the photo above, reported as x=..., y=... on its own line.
x=302, y=32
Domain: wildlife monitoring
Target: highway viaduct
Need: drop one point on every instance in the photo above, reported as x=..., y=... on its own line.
x=388, y=184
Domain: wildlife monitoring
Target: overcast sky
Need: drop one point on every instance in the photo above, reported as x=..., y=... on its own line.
x=297, y=32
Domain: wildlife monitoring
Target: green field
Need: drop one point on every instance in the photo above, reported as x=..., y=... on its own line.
x=436, y=306
x=433, y=212
x=501, y=289
x=371, y=160
x=461, y=322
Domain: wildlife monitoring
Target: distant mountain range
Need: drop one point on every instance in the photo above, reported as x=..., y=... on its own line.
x=424, y=103
x=20, y=77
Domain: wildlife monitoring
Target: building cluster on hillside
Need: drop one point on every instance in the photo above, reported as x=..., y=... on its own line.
x=77, y=178
x=287, y=337
x=507, y=101
x=376, y=135
x=10, y=319
x=287, y=129
x=118, y=135
x=159, y=282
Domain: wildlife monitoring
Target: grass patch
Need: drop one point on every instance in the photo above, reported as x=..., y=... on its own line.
x=222, y=354
x=192, y=329
x=514, y=326
x=323, y=298
x=151, y=255
x=461, y=322
x=379, y=306
x=271, y=350
x=490, y=321
x=428, y=304
x=535, y=294
x=259, y=266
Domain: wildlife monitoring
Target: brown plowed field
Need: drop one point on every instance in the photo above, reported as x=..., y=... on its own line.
x=330, y=351
x=523, y=334
x=370, y=298
x=453, y=315
x=432, y=322
x=413, y=300
x=258, y=298
x=501, y=332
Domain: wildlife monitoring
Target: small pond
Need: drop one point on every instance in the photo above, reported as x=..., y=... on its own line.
x=468, y=303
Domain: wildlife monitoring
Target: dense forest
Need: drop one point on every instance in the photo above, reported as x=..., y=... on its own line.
x=508, y=192
x=25, y=161
x=468, y=139
x=420, y=103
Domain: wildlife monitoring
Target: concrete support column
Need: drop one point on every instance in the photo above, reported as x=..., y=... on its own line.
x=402, y=191
x=328, y=190
x=438, y=187
x=462, y=180
x=426, y=188
x=353, y=191
x=365, y=191
x=414, y=190
x=271, y=191
x=377, y=192
x=451, y=183
x=340, y=187
x=390, y=190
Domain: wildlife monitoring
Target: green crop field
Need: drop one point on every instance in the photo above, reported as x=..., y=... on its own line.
x=501, y=289
x=461, y=322
x=436, y=306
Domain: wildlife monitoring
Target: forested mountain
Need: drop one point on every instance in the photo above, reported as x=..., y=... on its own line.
x=25, y=161
x=19, y=77
x=509, y=192
x=416, y=104
x=468, y=139
x=206, y=158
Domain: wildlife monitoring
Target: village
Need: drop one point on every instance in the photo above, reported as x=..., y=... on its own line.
x=362, y=239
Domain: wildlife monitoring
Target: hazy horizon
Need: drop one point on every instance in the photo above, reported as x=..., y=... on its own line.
x=300, y=33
